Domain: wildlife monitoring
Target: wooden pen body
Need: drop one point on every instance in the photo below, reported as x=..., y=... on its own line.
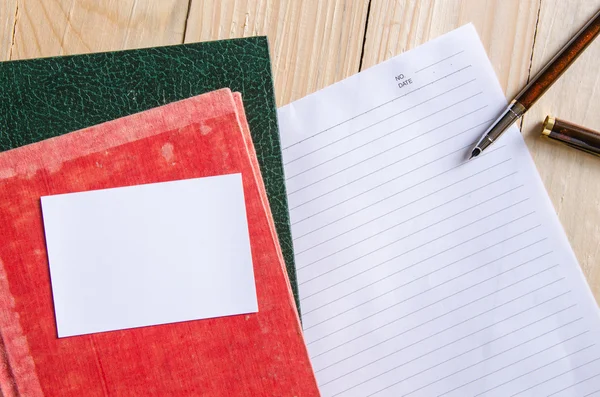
x=573, y=135
x=561, y=61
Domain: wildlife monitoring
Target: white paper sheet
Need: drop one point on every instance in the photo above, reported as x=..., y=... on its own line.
x=149, y=254
x=421, y=274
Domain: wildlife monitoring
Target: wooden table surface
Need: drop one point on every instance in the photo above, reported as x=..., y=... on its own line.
x=315, y=43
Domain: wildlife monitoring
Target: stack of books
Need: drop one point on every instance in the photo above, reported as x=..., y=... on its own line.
x=139, y=117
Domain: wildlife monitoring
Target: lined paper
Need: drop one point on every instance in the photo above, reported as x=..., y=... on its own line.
x=421, y=274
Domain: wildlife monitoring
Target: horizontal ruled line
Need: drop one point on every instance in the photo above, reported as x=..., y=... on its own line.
x=425, y=307
x=437, y=222
x=422, y=245
x=426, y=291
x=377, y=170
x=402, y=191
x=461, y=149
x=495, y=150
x=473, y=333
x=405, y=205
x=554, y=377
x=377, y=107
x=494, y=356
x=520, y=376
x=436, y=270
x=385, y=166
x=438, y=62
x=404, y=348
x=430, y=257
x=427, y=275
x=575, y=384
x=380, y=137
x=392, y=147
x=390, y=164
x=498, y=338
x=437, y=318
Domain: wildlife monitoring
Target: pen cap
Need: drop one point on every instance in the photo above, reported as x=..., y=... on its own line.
x=554, y=126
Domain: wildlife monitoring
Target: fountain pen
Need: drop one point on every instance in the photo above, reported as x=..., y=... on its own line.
x=540, y=84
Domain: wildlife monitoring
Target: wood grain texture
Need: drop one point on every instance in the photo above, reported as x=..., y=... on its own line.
x=62, y=27
x=314, y=43
x=506, y=29
x=8, y=17
x=571, y=177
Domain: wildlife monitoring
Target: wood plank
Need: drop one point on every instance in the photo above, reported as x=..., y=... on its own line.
x=506, y=29
x=314, y=43
x=8, y=16
x=62, y=27
x=572, y=178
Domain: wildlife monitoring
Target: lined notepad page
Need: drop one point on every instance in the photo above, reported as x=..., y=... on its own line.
x=421, y=274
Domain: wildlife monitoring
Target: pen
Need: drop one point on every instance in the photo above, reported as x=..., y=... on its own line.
x=572, y=135
x=540, y=84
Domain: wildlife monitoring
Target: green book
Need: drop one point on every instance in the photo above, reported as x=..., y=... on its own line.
x=43, y=98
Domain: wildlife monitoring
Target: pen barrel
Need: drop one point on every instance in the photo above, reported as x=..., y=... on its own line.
x=511, y=114
x=573, y=135
x=560, y=63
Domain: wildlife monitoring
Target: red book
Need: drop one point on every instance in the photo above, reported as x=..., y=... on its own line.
x=261, y=354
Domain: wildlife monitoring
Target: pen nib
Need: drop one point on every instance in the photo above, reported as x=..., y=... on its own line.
x=476, y=152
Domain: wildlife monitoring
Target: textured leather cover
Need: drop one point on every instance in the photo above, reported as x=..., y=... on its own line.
x=42, y=98
x=260, y=354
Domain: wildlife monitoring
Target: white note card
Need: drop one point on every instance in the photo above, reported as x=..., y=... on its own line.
x=149, y=254
x=422, y=274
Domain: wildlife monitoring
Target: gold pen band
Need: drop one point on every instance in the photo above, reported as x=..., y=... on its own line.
x=548, y=125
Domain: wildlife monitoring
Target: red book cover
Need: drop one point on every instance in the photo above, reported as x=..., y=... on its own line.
x=261, y=354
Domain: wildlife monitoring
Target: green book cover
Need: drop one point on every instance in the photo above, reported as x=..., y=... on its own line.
x=43, y=98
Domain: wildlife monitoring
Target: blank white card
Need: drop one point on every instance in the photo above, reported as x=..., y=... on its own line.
x=421, y=274
x=149, y=254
